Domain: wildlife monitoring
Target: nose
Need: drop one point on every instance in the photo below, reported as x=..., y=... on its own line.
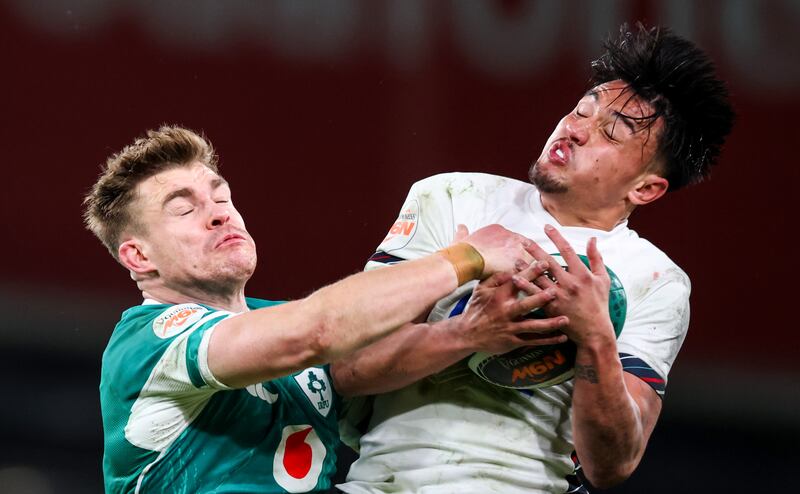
x=219, y=216
x=578, y=129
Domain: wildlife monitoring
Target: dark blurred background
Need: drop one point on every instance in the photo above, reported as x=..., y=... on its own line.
x=324, y=113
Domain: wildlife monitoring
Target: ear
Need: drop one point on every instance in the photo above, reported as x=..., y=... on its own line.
x=132, y=255
x=648, y=189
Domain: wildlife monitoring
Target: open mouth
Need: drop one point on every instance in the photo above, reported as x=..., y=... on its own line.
x=559, y=152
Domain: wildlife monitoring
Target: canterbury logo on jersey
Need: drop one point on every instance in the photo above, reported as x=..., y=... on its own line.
x=261, y=391
x=176, y=319
x=315, y=385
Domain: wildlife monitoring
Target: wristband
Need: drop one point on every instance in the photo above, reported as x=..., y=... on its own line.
x=466, y=260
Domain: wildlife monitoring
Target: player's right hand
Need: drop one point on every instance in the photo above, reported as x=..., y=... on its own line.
x=493, y=321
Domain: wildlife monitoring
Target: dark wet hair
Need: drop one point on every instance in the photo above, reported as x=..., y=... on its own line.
x=679, y=81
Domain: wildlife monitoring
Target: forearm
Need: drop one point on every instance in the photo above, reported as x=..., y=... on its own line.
x=367, y=306
x=613, y=413
x=607, y=424
x=404, y=357
x=332, y=322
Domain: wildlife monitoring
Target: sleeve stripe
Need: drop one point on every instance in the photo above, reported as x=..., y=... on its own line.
x=193, y=354
x=191, y=359
x=652, y=380
x=384, y=258
x=639, y=368
x=202, y=358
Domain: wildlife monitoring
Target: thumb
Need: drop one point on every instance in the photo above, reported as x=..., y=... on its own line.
x=461, y=233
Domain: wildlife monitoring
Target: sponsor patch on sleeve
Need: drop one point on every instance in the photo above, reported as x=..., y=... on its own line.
x=403, y=229
x=176, y=319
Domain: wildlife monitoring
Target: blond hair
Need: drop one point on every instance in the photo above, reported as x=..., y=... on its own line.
x=107, y=206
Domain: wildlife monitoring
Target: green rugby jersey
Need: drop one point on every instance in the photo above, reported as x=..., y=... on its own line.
x=170, y=426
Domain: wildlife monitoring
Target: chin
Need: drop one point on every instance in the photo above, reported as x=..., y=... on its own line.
x=545, y=182
x=238, y=266
x=244, y=267
x=228, y=278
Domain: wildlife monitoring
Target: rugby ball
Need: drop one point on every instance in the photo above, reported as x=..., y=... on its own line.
x=534, y=367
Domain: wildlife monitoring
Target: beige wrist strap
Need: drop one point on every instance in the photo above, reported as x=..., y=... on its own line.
x=466, y=260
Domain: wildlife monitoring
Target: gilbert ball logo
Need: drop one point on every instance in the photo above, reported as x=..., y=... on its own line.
x=177, y=319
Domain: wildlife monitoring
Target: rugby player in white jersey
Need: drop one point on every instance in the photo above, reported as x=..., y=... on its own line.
x=654, y=120
x=205, y=390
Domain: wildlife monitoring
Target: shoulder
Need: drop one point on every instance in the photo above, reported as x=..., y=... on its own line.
x=646, y=270
x=650, y=254
x=459, y=182
x=257, y=303
x=145, y=331
x=163, y=321
x=471, y=193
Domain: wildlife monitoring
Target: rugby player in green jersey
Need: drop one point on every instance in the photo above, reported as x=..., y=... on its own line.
x=206, y=390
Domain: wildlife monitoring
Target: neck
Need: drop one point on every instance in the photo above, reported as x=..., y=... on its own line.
x=569, y=212
x=232, y=301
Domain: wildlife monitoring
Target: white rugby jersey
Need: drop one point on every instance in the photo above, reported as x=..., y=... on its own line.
x=455, y=433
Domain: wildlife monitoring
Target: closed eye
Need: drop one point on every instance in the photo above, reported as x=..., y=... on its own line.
x=584, y=109
x=610, y=134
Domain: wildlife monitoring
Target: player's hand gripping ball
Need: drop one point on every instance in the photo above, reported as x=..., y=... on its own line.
x=533, y=367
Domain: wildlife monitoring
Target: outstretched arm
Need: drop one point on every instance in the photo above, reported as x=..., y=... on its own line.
x=491, y=323
x=335, y=321
x=613, y=412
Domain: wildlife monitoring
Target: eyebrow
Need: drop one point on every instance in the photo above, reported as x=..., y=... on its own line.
x=187, y=192
x=626, y=119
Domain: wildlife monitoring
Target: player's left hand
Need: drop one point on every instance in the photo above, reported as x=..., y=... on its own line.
x=581, y=292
